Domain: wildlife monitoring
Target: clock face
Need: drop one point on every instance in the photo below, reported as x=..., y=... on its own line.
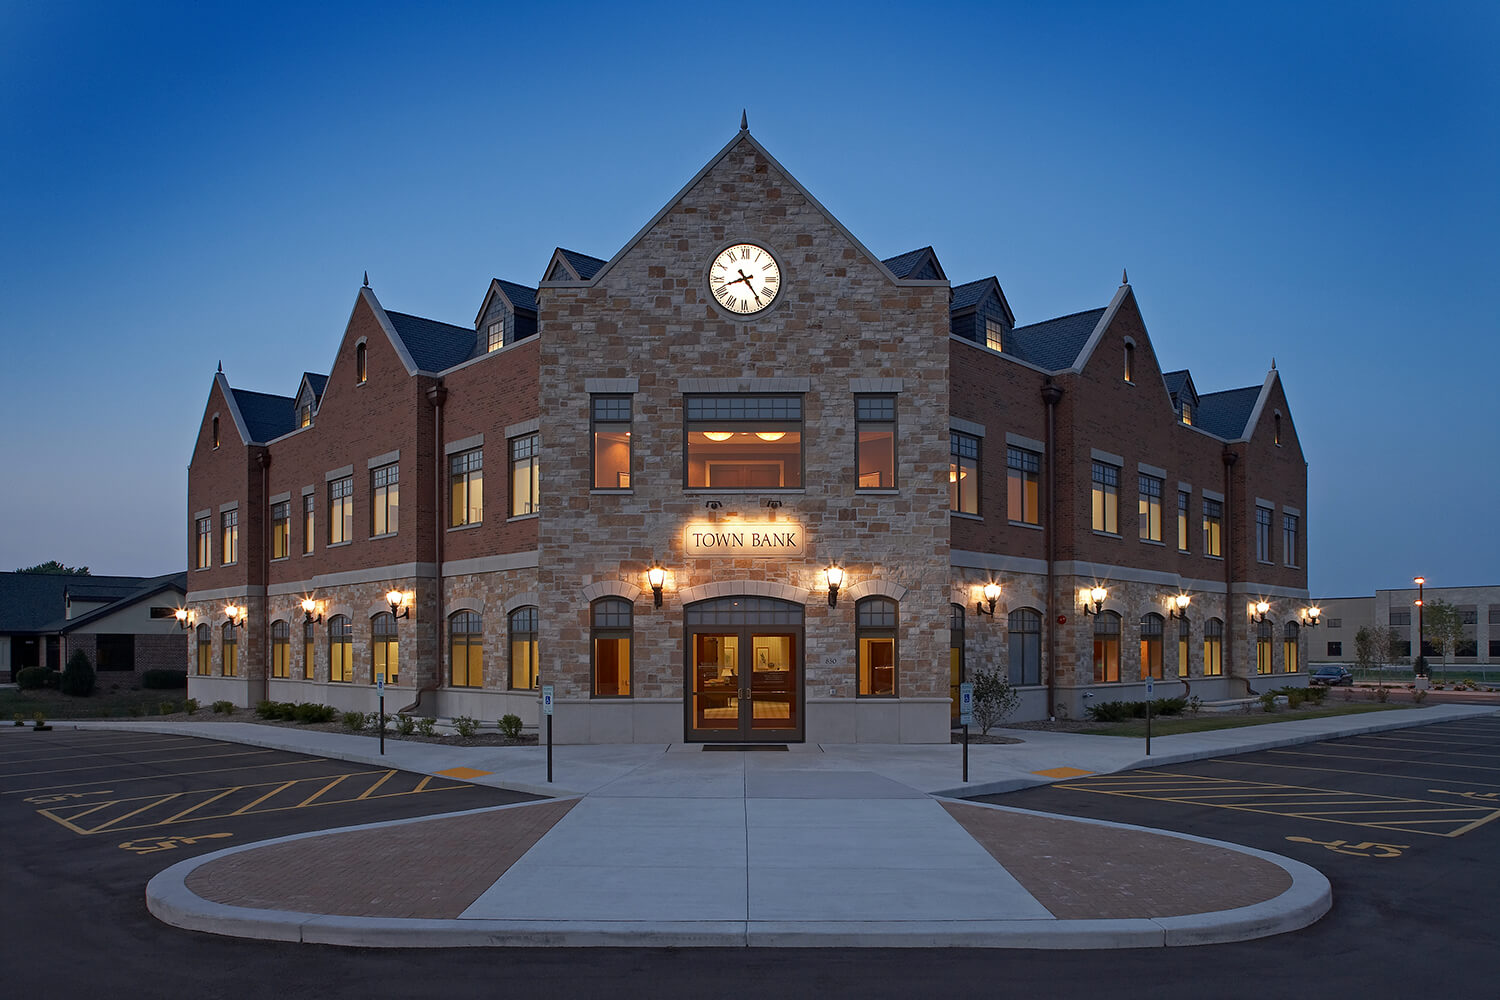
x=745, y=278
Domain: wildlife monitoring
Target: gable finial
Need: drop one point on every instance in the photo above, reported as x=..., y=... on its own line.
x=1124, y=278
x=1273, y=364
x=367, y=279
x=744, y=121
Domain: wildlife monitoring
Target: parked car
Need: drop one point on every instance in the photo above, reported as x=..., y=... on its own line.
x=1332, y=675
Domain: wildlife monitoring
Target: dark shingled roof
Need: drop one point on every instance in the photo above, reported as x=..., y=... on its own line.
x=1175, y=381
x=266, y=416
x=316, y=382
x=902, y=264
x=30, y=601
x=132, y=595
x=1053, y=344
x=969, y=295
x=521, y=296
x=1224, y=414
x=585, y=265
x=434, y=346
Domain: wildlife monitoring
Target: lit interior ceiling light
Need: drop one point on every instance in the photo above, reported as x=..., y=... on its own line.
x=770, y=435
x=718, y=435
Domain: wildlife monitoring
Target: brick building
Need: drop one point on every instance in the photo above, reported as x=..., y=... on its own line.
x=743, y=481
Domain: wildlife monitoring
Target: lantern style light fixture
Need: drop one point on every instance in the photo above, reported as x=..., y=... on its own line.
x=184, y=618
x=396, y=599
x=657, y=577
x=1177, y=606
x=1259, y=614
x=835, y=575
x=1310, y=616
x=991, y=594
x=1093, y=600
x=308, y=607
x=234, y=614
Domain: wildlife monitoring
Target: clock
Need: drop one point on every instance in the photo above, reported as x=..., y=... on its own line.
x=745, y=278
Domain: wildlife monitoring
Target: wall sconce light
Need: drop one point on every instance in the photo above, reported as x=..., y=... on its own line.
x=835, y=574
x=1259, y=614
x=1177, y=606
x=713, y=504
x=234, y=614
x=991, y=594
x=657, y=577
x=184, y=618
x=395, y=599
x=1311, y=616
x=308, y=607
x=1093, y=600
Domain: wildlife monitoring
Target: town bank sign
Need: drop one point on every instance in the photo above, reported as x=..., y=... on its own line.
x=770, y=540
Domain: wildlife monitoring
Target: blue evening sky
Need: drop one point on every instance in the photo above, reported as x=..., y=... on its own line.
x=184, y=184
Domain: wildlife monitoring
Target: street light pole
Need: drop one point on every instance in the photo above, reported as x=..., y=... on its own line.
x=1420, y=581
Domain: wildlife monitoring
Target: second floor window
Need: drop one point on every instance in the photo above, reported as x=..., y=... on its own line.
x=1187, y=413
x=281, y=530
x=308, y=503
x=963, y=473
x=230, y=524
x=875, y=428
x=1150, y=508
x=1263, y=534
x=385, y=500
x=1289, y=527
x=525, y=475
x=744, y=442
x=1213, y=528
x=610, y=416
x=1023, y=484
x=466, y=488
x=1106, y=498
x=1184, y=527
x=341, y=510
x=204, y=550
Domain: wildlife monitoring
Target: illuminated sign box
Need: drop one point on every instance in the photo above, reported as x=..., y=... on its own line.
x=773, y=540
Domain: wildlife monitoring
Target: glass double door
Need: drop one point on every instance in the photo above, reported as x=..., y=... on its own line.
x=745, y=686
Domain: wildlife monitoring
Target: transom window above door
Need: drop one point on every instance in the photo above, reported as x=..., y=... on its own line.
x=744, y=442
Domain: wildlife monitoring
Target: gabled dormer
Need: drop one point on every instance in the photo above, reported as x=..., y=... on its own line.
x=922, y=265
x=508, y=314
x=570, y=265
x=979, y=312
x=309, y=395
x=1184, y=396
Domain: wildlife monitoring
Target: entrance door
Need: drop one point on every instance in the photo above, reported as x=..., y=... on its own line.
x=744, y=665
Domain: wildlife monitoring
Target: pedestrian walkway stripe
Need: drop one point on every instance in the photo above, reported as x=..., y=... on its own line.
x=1383, y=812
x=144, y=812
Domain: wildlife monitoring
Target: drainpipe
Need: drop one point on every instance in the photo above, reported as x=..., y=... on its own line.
x=1051, y=394
x=264, y=460
x=1230, y=609
x=437, y=394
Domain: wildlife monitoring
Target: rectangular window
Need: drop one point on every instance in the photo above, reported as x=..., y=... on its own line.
x=281, y=530
x=308, y=503
x=1106, y=497
x=1336, y=649
x=341, y=510
x=523, y=649
x=1335, y=623
x=1494, y=648
x=994, y=335
x=1187, y=413
x=1289, y=538
x=1023, y=485
x=385, y=500
x=1213, y=528
x=1184, y=500
x=744, y=442
x=611, y=417
x=963, y=473
x=1150, y=508
x=875, y=429
x=525, y=474
x=304, y=415
x=204, y=557
x=1263, y=534
x=466, y=488
x=496, y=336
x=230, y=524
x=1400, y=617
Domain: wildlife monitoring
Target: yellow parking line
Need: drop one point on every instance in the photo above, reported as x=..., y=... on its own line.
x=279, y=788
x=422, y=785
x=1387, y=760
x=1345, y=770
x=178, y=760
x=149, y=805
x=173, y=819
x=320, y=791
x=383, y=779
x=6, y=759
x=175, y=774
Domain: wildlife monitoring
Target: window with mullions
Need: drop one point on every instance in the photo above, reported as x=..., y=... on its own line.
x=281, y=529
x=875, y=635
x=229, y=651
x=230, y=535
x=1264, y=631
x=1106, y=498
x=994, y=335
x=341, y=510
x=1213, y=528
x=1289, y=525
x=1106, y=647
x=744, y=442
x=495, y=336
x=1291, y=654
x=309, y=647
x=1149, y=489
x=1184, y=634
x=466, y=649
x=340, y=649
x=1023, y=485
x=281, y=649
x=611, y=416
x=309, y=502
x=1024, y=627
x=875, y=430
x=523, y=664
x=385, y=500
x=1263, y=534
x=963, y=473
x=466, y=488
x=611, y=621
x=385, y=648
x=1213, y=648
x=1185, y=411
x=525, y=474
x=205, y=547
x=1184, y=500
x=1151, y=640
x=205, y=650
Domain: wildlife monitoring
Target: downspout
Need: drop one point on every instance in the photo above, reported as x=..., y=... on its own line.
x=437, y=394
x=1051, y=394
x=1230, y=612
x=264, y=458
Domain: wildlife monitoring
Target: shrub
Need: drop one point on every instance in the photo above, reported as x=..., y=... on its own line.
x=405, y=724
x=164, y=680
x=1268, y=701
x=78, y=676
x=223, y=707
x=1418, y=697
x=1112, y=711
x=31, y=678
x=40, y=718
x=20, y=719
x=1382, y=694
x=310, y=712
x=1195, y=704
x=994, y=699
x=166, y=708
x=1168, y=706
x=510, y=725
x=465, y=726
x=190, y=706
x=427, y=727
x=354, y=721
x=265, y=709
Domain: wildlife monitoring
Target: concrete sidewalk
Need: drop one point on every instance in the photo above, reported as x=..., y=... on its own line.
x=818, y=846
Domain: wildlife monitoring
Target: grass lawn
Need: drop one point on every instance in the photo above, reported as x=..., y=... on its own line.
x=102, y=704
x=1172, y=724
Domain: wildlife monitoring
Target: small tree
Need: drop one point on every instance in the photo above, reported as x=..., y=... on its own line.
x=1442, y=623
x=78, y=675
x=54, y=568
x=994, y=699
x=1372, y=644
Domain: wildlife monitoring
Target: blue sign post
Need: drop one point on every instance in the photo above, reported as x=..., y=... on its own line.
x=966, y=716
x=547, y=711
x=1150, y=696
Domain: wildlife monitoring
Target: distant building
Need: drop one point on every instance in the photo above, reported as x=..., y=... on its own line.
x=1343, y=617
x=125, y=624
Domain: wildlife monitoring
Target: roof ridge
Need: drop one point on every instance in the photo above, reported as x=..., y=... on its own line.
x=1222, y=392
x=268, y=395
x=1054, y=319
x=429, y=319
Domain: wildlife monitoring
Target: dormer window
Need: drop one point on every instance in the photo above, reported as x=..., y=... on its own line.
x=304, y=413
x=496, y=336
x=994, y=335
x=1187, y=413
x=360, y=370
